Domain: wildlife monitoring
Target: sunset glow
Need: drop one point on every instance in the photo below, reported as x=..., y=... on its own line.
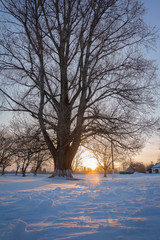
x=90, y=163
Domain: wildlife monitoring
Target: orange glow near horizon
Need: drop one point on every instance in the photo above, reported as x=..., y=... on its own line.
x=88, y=160
x=90, y=163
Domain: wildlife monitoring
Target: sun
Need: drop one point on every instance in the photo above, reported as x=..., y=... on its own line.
x=90, y=163
x=88, y=160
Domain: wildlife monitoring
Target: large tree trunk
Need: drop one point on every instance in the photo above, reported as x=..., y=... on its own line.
x=62, y=164
x=63, y=159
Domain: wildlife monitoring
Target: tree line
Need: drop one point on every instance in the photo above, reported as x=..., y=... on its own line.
x=23, y=148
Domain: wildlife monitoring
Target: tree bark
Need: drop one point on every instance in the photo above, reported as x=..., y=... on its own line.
x=62, y=164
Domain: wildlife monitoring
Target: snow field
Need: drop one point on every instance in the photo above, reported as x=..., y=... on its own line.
x=93, y=208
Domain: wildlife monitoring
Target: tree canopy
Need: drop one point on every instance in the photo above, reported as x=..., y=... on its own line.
x=77, y=67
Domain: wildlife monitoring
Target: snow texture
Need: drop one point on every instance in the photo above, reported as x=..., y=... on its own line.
x=93, y=208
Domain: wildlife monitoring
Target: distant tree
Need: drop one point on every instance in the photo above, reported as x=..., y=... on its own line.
x=77, y=67
x=6, y=155
x=28, y=146
x=77, y=162
x=26, y=161
x=17, y=162
x=102, y=153
x=39, y=159
x=107, y=152
x=138, y=166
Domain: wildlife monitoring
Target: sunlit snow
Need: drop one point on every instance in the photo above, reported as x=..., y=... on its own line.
x=126, y=207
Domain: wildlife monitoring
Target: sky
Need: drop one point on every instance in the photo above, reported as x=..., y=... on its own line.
x=151, y=151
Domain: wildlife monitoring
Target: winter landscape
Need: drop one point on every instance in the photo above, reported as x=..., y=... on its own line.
x=79, y=80
x=41, y=208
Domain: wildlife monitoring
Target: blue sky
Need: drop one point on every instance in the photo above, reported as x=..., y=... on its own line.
x=153, y=18
x=151, y=152
x=153, y=14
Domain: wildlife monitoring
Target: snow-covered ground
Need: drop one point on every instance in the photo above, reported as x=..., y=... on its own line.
x=93, y=208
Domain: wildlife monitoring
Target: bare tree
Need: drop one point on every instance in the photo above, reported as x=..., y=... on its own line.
x=6, y=156
x=107, y=152
x=17, y=162
x=78, y=68
x=40, y=158
x=77, y=162
x=28, y=144
x=138, y=166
